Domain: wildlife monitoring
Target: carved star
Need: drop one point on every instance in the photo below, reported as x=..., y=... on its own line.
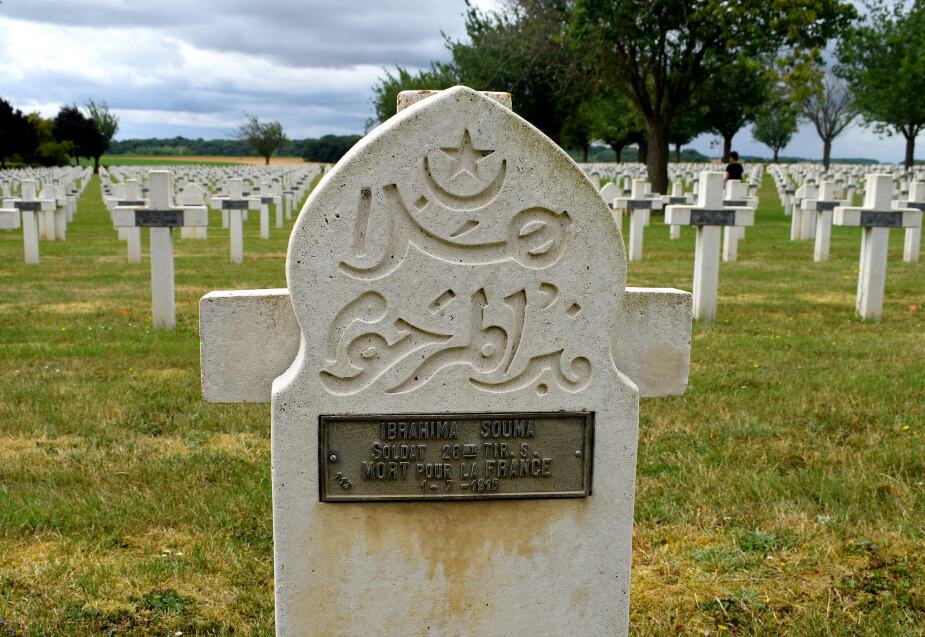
x=466, y=157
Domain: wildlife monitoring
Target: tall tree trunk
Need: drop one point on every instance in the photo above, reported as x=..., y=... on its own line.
x=617, y=151
x=96, y=165
x=677, y=153
x=910, y=151
x=657, y=154
x=727, y=147
x=642, y=152
x=776, y=151
x=826, y=152
x=584, y=152
x=266, y=160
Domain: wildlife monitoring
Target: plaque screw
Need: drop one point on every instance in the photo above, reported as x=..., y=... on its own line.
x=578, y=453
x=333, y=457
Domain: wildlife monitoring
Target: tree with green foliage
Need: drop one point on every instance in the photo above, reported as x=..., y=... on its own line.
x=776, y=121
x=732, y=97
x=526, y=49
x=18, y=138
x=883, y=61
x=659, y=53
x=329, y=148
x=264, y=138
x=70, y=125
x=107, y=124
x=385, y=92
x=615, y=122
x=523, y=49
x=685, y=126
x=49, y=151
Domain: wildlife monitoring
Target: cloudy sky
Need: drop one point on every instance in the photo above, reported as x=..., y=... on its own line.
x=186, y=68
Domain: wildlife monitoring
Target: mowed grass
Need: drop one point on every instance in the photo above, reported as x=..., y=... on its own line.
x=784, y=494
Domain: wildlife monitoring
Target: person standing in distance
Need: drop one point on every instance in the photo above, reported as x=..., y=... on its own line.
x=734, y=170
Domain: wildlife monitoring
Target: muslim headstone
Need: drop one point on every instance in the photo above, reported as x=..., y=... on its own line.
x=451, y=372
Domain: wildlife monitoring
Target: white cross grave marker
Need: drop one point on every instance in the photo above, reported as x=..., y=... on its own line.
x=875, y=219
x=708, y=215
x=736, y=196
x=677, y=196
x=30, y=207
x=639, y=206
x=823, y=205
x=913, y=239
x=130, y=191
x=459, y=269
x=161, y=217
x=236, y=204
x=193, y=195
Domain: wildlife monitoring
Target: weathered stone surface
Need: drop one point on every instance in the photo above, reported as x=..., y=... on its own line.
x=429, y=273
x=250, y=337
x=455, y=261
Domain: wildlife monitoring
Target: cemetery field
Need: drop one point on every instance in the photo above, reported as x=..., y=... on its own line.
x=784, y=494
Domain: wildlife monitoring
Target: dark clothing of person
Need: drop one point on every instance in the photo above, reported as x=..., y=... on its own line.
x=734, y=171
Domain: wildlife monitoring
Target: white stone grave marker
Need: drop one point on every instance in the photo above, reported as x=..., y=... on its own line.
x=236, y=204
x=639, y=206
x=161, y=217
x=456, y=295
x=193, y=195
x=30, y=207
x=875, y=219
x=709, y=215
x=823, y=206
x=913, y=239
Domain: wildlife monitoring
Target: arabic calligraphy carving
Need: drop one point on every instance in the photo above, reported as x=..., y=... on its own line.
x=478, y=329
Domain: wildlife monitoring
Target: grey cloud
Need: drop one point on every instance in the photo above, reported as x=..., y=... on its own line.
x=312, y=33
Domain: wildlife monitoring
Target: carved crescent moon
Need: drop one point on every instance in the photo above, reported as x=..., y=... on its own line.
x=466, y=203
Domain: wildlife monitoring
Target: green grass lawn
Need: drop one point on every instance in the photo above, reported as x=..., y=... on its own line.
x=784, y=494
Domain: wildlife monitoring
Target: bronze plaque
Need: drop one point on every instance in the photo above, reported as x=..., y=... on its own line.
x=469, y=456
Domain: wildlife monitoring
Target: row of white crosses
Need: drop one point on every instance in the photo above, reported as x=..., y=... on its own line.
x=161, y=217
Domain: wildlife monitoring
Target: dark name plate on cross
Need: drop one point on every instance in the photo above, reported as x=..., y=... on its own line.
x=917, y=205
x=874, y=219
x=822, y=206
x=28, y=206
x=639, y=204
x=713, y=217
x=234, y=204
x=158, y=218
x=266, y=200
x=735, y=203
x=464, y=456
x=131, y=202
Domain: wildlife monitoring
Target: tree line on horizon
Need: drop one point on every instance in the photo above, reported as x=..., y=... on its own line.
x=30, y=139
x=655, y=75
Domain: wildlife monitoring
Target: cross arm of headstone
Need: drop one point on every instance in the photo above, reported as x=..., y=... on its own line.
x=250, y=337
